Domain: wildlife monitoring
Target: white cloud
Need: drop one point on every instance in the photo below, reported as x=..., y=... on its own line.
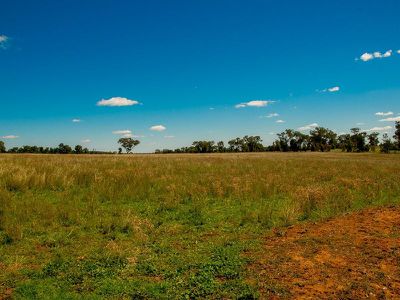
x=330, y=90
x=122, y=131
x=280, y=121
x=393, y=119
x=308, y=127
x=254, y=103
x=384, y=114
x=398, y=51
x=130, y=135
x=334, y=89
x=4, y=41
x=360, y=123
x=387, y=53
x=10, y=137
x=240, y=105
x=169, y=136
x=86, y=141
x=117, y=101
x=76, y=120
x=366, y=57
x=369, y=56
x=158, y=128
x=272, y=115
x=380, y=128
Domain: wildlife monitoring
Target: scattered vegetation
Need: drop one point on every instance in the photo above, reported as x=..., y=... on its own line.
x=162, y=227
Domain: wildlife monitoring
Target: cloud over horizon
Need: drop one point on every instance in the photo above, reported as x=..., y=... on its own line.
x=126, y=131
x=384, y=114
x=385, y=128
x=10, y=137
x=308, y=127
x=254, y=103
x=392, y=119
x=158, y=128
x=117, y=101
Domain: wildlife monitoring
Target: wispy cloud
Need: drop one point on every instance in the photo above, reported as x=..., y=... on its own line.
x=280, y=121
x=272, y=115
x=4, y=41
x=169, y=136
x=158, y=128
x=308, y=127
x=384, y=114
x=370, y=56
x=392, y=119
x=360, y=123
x=10, y=137
x=117, y=101
x=126, y=131
x=86, y=141
x=76, y=120
x=385, y=128
x=330, y=90
x=254, y=103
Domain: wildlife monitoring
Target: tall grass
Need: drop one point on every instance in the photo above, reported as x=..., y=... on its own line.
x=165, y=226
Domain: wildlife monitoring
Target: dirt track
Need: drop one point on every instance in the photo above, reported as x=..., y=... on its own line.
x=355, y=256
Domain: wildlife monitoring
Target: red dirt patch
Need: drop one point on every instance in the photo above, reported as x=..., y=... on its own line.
x=355, y=256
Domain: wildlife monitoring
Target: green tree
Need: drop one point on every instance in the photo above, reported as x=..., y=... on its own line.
x=62, y=149
x=78, y=149
x=358, y=140
x=221, y=147
x=322, y=139
x=236, y=145
x=396, y=135
x=386, y=144
x=128, y=144
x=204, y=146
x=2, y=147
x=253, y=143
x=373, y=141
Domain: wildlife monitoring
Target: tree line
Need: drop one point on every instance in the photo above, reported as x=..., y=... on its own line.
x=61, y=149
x=318, y=139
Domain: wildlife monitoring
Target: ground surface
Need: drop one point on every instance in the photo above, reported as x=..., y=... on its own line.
x=195, y=226
x=355, y=256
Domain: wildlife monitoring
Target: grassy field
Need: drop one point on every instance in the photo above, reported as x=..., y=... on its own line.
x=168, y=226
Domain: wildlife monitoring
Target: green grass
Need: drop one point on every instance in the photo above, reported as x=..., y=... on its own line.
x=162, y=227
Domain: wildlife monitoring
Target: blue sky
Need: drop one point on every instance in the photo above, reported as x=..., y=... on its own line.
x=200, y=69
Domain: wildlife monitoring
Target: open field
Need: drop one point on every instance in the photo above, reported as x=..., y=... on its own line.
x=194, y=226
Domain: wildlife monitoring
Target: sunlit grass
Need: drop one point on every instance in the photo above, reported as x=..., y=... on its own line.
x=171, y=226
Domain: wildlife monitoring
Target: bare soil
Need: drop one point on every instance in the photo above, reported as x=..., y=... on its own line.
x=355, y=256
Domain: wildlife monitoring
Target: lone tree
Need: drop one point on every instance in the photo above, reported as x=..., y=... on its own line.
x=128, y=144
